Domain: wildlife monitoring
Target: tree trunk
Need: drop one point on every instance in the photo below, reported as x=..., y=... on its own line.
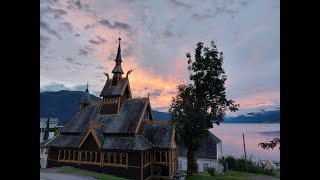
x=192, y=168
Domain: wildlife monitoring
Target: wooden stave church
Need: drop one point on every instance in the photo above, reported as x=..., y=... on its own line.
x=117, y=136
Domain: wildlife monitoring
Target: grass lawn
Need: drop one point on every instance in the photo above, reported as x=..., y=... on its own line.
x=232, y=175
x=100, y=176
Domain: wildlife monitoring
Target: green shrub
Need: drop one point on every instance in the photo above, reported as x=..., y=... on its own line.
x=241, y=163
x=211, y=171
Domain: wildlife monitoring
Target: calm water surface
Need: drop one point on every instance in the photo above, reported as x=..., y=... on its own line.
x=254, y=133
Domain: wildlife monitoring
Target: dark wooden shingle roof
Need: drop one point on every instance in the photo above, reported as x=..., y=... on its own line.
x=109, y=90
x=69, y=141
x=126, y=143
x=126, y=120
x=208, y=150
x=160, y=135
x=80, y=121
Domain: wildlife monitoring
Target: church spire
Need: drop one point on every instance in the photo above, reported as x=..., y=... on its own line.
x=117, y=70
x=85, y=99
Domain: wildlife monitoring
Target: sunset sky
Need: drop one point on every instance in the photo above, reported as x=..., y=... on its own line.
x=79, y=40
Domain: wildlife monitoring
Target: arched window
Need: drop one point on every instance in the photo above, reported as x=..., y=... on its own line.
x=157, y=156
x=118, y=158
x=76, y=155
x=71, y=156
x=112, y=158
x=67, y=155
x=124, y=158
x=106, y=158
x=88, y=156
x=98, y=157
x=61, y=155
x=93, y=157
x=83, y=156
x=163, y=156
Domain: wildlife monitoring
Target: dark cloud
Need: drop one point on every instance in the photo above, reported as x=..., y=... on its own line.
x=99, y=41
x=69, y=59
x=57, y=13
x=244, y=3
x=77, y=35
x=223, y=8
x=198, y=17
x=155, y=93
x=83, y=52
x=43, y=41
x=145, y=88
x=94, y=42
x=168, y=34
x=88, y=26
x=74, y=4
x=68, y=26
x=102, y=40
x=180, y=4
x=46, y=26
x=171, y=92
x=116, y=25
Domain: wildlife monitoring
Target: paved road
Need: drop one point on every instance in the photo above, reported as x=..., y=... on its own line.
x=262, y=177
x=60, y=176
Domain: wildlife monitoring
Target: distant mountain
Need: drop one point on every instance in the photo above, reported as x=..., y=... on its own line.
x=256, y=117
x=64, y=105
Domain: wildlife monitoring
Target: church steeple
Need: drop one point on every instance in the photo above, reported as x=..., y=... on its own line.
x=117, y=70
x=85, y=99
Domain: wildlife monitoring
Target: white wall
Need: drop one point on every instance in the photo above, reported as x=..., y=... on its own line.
x=43, y=157
x=211, y=163
x=51, y=135
x=219, y=150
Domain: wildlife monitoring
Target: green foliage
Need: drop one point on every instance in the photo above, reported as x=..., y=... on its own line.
x=211, y=171
x=199, y=105
x=46, y=131
x=157, y=170
x=240, y=165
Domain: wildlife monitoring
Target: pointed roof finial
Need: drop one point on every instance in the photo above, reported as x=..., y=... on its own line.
x=118, y=58
x=87, y=90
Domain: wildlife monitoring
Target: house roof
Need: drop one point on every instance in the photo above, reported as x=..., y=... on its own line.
x=208, y=150
x=109, y=90
x=159, y=134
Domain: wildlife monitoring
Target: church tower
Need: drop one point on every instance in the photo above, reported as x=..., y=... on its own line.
x=85, y=99
x=116, y=90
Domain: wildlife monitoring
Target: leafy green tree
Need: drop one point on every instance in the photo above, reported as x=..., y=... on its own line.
x=46, y=131
x=202, y=103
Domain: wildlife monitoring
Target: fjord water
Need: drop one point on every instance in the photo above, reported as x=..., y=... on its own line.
x=254, y=133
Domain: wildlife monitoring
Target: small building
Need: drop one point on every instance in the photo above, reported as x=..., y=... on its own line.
x=208, y=155
x=117, y=136
x=53, y=123
x=44, y=152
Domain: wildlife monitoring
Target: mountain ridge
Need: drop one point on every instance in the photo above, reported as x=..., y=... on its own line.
x=64, y=105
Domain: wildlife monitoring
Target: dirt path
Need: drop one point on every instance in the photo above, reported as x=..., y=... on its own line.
x=262, y=177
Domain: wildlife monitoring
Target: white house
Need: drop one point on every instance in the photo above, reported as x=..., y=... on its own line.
x=53, y=123
x=43, y=152
x=207, y=156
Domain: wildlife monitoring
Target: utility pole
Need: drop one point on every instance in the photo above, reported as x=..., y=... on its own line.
x=245, y=154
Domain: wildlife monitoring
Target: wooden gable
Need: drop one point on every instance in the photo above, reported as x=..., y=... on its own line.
x=90, y=141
